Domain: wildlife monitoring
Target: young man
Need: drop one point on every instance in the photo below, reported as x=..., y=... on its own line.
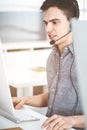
x=63, y=98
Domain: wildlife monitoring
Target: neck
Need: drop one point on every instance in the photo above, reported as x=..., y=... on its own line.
x=67, y=42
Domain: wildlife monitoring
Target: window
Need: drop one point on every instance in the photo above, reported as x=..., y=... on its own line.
x=83, y=9
x=21, y=20
x=20, y=26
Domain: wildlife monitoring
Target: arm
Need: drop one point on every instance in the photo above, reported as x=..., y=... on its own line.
x=37, y=101
x=64, y=122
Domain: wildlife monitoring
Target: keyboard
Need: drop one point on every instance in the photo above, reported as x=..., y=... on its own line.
x=25, y=115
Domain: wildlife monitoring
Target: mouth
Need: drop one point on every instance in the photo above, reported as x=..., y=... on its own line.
x=52, y=37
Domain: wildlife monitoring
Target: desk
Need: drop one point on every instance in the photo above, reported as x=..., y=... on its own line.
x=32, y=125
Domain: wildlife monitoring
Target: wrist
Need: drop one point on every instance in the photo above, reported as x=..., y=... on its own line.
x=78, y=121
x=73, y=121
x=25, y=100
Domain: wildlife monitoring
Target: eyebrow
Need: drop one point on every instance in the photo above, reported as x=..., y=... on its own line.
x=52, y=20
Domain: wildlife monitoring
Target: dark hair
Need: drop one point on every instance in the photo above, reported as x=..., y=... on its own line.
x=69, y=7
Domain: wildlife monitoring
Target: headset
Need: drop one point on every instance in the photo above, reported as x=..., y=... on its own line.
x=53, y=41
x=76, y=6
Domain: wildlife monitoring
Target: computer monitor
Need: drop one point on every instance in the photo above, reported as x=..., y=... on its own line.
x=79, y=29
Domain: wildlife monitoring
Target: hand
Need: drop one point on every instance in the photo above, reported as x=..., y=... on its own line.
x=57, y=122
x=18, y=102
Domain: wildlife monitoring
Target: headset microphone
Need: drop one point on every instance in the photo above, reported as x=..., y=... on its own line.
x=53, y=41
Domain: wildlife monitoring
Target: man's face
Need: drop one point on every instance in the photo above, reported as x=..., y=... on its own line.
x=56, y=24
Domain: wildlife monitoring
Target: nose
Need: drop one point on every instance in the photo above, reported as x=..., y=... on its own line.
x=49, y=28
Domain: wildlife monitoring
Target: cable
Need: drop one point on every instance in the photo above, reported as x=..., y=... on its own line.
x=73, y=87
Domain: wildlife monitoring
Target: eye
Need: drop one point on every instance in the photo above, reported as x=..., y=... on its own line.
x=54, y=22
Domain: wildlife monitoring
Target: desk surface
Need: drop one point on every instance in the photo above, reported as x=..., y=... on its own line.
x=31, y=125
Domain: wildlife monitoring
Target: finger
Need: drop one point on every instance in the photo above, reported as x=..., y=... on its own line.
x=55, y=122
x=58, y=125
x=64, y=126
x=45, y=123
x=15, y=99
x=49, y=120
x=19, y=104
